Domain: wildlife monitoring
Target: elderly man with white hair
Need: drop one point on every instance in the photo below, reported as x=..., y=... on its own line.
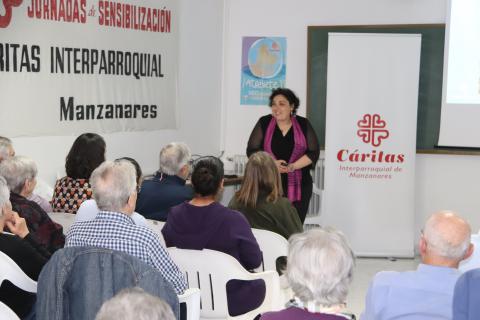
x=20, y=173
x=426, y=293
x=114, y=188
x=319, y=270
x=22, y=248
x=167, y=188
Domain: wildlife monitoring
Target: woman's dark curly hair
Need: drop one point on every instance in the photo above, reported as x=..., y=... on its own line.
x=288, y=94
x=207, y=176
x=85, y=155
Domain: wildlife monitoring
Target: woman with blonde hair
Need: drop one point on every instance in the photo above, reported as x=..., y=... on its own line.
x=260, y=198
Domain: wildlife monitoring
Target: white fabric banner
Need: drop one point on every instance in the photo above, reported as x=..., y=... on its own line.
x=72, y=66
x=372, y=93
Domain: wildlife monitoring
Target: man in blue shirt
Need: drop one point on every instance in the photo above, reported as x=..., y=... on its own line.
x=167, y=188
x=115, y=191
x=426, y=293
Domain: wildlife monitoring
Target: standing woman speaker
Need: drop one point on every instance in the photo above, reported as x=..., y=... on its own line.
x=292, y=142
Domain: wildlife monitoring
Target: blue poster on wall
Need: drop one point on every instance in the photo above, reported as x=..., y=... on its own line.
x=263, y=68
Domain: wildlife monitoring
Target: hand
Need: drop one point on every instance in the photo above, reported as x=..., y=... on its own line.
x=291, y=167
x=17, y=225
x=282, y=166
x=7, y=211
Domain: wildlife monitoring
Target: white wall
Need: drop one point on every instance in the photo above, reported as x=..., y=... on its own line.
x=199, y=107
x=442, y=181
x=448, y=182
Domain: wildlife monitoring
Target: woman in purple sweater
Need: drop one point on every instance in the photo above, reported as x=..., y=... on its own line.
x=203, y=223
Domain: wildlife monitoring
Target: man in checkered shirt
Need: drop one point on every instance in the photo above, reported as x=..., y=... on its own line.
x=115, y=191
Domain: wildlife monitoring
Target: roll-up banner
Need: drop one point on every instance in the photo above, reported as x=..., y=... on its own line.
x=71, y=66
x=372, y=94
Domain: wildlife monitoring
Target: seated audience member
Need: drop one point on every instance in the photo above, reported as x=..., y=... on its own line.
x=22, y=248
x=87, y=153
x=6, y=152
x=135, y=304
x=115, y=191
x=319, y=270
x=88, y=209
x=426, y=293
x=167, y=188
x=20, y=174
x=466, y=297
x=6, y=148
x=203, y=223
x=76, y=281
x=260, y=198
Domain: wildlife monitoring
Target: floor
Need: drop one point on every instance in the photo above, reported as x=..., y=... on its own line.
x=365, y=269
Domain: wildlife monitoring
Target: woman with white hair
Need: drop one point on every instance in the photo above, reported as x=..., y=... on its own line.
x=6, y=148
x=319, y=270
x=20, y=174
x=135, y=304
x=6, y=152
x=21, y=247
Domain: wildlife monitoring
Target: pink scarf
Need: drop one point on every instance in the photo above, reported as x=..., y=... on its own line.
x=300, y=146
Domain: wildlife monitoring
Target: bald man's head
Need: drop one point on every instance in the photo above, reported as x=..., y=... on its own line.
x=447, y=236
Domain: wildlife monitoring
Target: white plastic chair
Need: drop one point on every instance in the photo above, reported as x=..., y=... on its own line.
x=191, y=297
x=64, y=219
x=474, y=261
x=272, y=245
x=6, y=313
x=210, y=271
x=316, y=201
x=156, y=227
x=10, y=271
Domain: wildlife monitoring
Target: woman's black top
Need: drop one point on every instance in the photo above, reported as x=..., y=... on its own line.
x=282, y=146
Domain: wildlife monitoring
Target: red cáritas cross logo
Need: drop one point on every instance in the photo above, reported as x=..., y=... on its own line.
x=371, y=129
x=8, y=4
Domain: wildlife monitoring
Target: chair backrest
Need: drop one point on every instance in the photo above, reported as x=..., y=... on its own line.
x=10, y=271
x=272, y=245
x=210, y=271
x=191, y=297
x=474, y=261
x=156, y=227
x=6, y=313
x=64, y=219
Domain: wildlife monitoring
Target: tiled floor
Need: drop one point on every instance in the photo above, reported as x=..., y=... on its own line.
x=365, y=269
